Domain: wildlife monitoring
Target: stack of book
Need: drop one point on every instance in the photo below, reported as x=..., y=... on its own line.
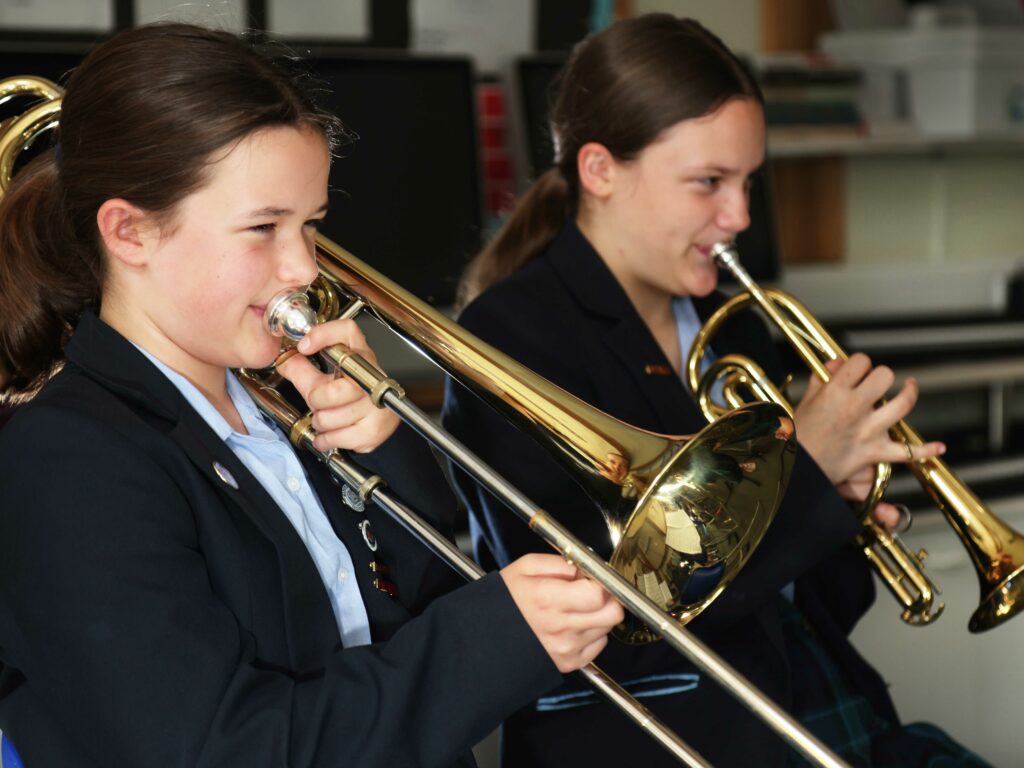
x=805, y=97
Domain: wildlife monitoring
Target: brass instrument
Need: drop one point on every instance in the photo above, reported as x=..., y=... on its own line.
x=20, y=131
x=683, y=512
x=996, y=549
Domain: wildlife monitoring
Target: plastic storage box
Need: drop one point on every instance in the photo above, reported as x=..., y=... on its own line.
x=956, y=82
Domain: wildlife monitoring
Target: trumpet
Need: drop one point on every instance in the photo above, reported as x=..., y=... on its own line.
x=682, y=512
x=995, y=548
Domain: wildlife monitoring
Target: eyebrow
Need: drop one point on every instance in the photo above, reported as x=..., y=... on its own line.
x=271, y=211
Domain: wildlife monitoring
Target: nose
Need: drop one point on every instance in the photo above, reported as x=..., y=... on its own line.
x=297, y=260
x=734, y=215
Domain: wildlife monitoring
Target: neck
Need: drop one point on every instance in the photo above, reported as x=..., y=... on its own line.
x=653, y=304
x=207, y=378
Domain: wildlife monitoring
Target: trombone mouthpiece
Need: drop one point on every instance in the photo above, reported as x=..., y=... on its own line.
x=289, y=314
x=723, y=253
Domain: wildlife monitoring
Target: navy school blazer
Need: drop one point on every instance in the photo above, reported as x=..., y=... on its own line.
x=151, y=614
x=565, y=316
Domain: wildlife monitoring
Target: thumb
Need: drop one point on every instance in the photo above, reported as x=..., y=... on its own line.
x=553, y=566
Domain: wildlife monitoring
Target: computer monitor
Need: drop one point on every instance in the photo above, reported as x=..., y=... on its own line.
x=51, y=61
x=757, y=245
x=406, y=196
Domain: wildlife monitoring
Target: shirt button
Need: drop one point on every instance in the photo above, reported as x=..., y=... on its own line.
x=342, y=575
x=294, y=484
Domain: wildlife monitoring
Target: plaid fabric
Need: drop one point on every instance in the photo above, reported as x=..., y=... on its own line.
x=845, y=722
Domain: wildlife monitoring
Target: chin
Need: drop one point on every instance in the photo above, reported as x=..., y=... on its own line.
x=263, y=357
x=704, y=286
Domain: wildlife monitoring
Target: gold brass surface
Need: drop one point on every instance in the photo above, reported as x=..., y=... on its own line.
x=17, y=133
x=996, y=549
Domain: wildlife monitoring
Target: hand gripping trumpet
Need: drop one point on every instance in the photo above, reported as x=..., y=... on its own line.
x=996, y=549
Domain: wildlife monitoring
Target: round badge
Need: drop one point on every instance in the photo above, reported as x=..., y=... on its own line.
x=368, y=537
x=352, y=499
x=224, y=475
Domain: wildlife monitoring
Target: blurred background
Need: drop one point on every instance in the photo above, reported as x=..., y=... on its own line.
x=891, y=203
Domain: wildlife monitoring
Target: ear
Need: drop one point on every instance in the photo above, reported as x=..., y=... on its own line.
x=596, y=168
x=122, y=228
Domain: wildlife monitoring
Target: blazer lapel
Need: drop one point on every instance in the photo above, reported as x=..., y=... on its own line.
x=625, y=335
x=108, y=357
x=310, y=625
x=386, y=613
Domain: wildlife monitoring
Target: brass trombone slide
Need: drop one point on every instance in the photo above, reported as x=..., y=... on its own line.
x=995, y=548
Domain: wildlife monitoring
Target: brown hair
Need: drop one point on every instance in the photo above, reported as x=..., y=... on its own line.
x=141, y=117
x=622, y=87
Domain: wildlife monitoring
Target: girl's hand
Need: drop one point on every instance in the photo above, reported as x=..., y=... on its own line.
x=840, y=427
x=856, y=489
x=570, y=616
x=343, y=415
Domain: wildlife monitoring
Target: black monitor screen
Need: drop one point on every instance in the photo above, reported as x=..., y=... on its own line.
x=406, y=197
x=757, y=245
x=54, y=65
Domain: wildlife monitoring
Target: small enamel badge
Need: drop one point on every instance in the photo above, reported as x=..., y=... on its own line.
x=352, y=499
x=368, y=537
x=380, y=582
x=652, y=369
x=224, y=475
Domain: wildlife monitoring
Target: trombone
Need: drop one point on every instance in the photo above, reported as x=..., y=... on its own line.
x=676, y=507
x=995, y=548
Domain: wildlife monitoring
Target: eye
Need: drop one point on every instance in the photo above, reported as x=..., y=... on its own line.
x=709, y=182
x=263, y=229
x=314, y=223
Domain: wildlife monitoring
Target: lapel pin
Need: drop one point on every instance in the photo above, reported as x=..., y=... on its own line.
x=224, y=475
x=368, y=537
x=385, y=586
x=352, y=499
x=653, y=369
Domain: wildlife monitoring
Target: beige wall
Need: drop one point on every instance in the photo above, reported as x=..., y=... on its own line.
x=737, y=22
x=955, y=208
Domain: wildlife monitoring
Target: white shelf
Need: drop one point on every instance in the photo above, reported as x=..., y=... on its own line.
x=889, y=140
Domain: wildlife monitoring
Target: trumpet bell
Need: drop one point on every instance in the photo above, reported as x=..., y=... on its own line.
x=1002, y=603
x=704, y=513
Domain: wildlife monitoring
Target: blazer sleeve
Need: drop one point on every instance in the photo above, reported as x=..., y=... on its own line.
x=109, y=615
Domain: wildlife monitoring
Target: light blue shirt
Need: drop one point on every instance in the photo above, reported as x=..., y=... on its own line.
x=269, y=456
x=687, y=326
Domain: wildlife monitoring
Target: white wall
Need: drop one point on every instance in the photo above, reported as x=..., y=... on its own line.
x=970, y=685
x=737, y=22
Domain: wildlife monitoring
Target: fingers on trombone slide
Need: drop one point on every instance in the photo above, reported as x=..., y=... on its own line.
x=571, y=617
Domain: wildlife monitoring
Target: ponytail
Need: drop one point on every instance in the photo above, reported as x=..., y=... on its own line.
x=537, y=218
x=47, y=278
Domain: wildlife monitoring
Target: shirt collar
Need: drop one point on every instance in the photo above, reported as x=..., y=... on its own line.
x=247, y=410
